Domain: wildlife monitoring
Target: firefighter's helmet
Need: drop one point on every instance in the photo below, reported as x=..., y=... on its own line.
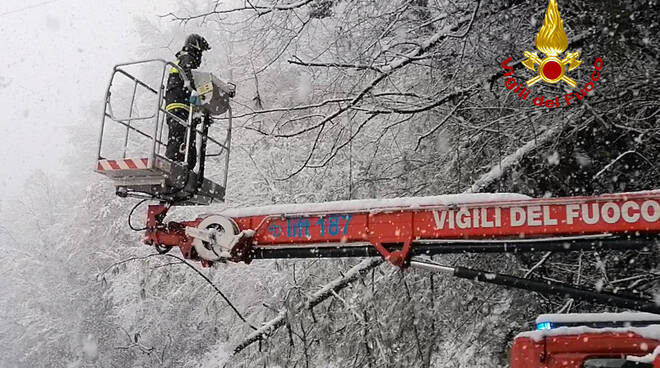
x=198, y=42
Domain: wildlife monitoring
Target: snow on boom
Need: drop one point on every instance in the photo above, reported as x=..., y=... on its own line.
x=398, y=223
x=630, y=213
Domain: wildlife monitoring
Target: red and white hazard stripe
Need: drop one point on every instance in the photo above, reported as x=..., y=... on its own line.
x=125, y=164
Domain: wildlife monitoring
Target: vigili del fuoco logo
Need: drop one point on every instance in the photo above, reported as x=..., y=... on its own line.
x=551, y=41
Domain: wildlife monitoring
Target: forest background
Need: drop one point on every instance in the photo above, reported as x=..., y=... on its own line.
x=337, y=100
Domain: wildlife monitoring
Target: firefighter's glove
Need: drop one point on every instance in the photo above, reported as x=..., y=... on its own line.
x=194, y=99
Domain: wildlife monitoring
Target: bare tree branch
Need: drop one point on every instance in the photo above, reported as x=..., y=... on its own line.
x=387, y=70
x=507, y=162
x=260, y=10
x=337, y=149
x=296, y=61
x=440, y=124
x=356, y=272
x=620, y=157
x=337, y=100
x=198, y=272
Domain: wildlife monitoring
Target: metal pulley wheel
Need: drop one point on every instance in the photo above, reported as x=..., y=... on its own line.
x=216, y=238
x=163, y=249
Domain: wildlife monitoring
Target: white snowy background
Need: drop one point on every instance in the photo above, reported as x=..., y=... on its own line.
x=79, y=289
x=56, y=58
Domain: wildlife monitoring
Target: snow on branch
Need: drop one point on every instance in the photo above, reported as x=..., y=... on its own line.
x=433, y=104
x=259, y=9
x=336, y=101
x=181, y=261
x=315, y=299
x=297, y=61
x=507, y=162
x=386, y=71
x=439, y=125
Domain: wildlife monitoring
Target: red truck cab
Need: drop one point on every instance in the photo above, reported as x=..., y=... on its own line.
x=590, y=340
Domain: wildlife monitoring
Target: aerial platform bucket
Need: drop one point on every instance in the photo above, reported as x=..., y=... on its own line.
x=133, y=137
x=159, y=178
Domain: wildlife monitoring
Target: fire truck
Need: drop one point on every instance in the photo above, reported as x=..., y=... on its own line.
x=403, y=231
x=590, y=340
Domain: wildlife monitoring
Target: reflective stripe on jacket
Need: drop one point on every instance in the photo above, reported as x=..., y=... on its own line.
x=177, y=105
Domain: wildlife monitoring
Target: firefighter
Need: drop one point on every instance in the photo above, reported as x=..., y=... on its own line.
x=179, y=96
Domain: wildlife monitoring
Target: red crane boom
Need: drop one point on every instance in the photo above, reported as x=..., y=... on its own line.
x=398, y=228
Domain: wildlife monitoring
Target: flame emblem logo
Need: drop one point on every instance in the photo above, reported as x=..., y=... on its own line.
x=552, y=41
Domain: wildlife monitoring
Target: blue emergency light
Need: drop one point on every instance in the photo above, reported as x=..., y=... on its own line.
x=544, y=326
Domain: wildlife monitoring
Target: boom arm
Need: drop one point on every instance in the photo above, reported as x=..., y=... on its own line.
x=544, y=287
x=399, y=228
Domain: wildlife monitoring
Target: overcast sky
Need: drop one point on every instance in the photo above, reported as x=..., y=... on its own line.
x=56, y=57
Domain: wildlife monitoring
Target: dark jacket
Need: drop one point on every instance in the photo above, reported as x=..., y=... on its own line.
x=177, y=95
